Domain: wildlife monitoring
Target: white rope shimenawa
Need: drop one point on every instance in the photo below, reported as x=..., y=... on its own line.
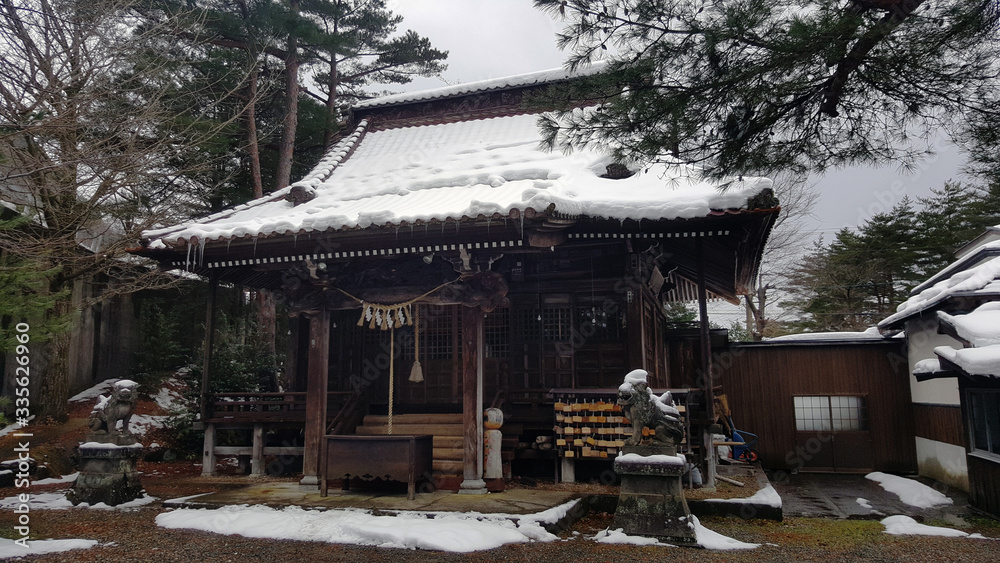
x=391, y=317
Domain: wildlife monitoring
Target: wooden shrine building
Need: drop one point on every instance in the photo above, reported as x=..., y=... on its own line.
x=438, y=230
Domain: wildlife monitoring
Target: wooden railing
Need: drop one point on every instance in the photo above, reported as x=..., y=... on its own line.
x=267, y=407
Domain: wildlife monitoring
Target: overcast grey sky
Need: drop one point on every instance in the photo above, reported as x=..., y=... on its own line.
x=494, y=38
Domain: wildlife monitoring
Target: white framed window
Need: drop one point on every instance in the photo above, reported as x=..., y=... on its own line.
x=825, y=413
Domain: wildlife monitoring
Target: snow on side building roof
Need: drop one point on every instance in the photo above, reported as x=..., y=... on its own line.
x=973, y=361
x=978, y=278
x=868, y=334
x=986, y=249
x=980, y=327
x=456, y=170
x=528, y=79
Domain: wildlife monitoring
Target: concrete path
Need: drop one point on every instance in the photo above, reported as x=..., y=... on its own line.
x=279, y=494
x=824, y=495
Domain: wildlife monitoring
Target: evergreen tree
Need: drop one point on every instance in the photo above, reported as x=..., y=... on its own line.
x=863, y=275
x=950, y=217
x=755, y=86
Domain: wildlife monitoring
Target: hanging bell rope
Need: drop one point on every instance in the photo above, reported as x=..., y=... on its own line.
x=417, y=372
x=392, y=361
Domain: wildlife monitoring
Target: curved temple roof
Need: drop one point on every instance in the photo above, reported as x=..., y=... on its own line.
x=464, y=169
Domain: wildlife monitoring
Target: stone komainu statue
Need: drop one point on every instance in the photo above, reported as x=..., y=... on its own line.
x=646, y=410
x=117, y=406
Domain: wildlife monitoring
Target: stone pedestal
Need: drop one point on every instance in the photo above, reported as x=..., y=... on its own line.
x=108, y=473
x=651, y=502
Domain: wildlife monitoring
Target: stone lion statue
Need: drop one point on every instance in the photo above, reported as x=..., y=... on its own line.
x=646, y=410
x=117, y=406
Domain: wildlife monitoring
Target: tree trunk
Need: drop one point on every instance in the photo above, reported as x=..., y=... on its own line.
x=53, y=390
x=286, y=146
x=252, y=146
x=331, y=104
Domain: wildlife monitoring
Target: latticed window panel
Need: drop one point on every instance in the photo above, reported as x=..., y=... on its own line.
x=527, y=324
x=848, y=413
x=812, y=414
x=557, y=324
x=437, y=326
x=825, y=413
x=496, y=333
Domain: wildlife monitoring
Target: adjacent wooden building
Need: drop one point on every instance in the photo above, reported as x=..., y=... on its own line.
x=437, y=230
x=952, y=327
x=835, y=405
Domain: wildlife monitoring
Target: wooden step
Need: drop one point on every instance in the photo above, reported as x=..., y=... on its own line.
x=448, y=453
x=413, y=429
x=449, y=442
x=429, y=418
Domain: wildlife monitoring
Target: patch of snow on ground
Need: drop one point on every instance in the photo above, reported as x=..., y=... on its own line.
x=142, y=423
x=14, y=427
x=910, y=491
x=58, y=501
x=620, y=537
x=905, y=526
x=409, y=530
x=53, y=480
x=714, y=540
x=169, y=399
x=40, y=547
x=767, y=496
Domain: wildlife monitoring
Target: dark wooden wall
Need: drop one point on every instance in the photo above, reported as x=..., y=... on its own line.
x=984, y=484
x=761, y=379
x=984, y=470
x=941, y=423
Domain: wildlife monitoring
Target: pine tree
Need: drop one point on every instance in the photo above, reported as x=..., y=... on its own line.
x=755, y=86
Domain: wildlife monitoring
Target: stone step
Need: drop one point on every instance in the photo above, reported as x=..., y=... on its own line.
x=447, y=467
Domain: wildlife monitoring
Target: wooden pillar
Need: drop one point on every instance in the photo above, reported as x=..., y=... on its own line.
x=208, y=453
x=213, y=289
x=472, y=400
x=257, y=461
x=707, y=440
x=292, y=354
x=634, y=321
x=316, y=388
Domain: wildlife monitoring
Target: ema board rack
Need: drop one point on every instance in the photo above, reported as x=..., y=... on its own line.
x=592, y=428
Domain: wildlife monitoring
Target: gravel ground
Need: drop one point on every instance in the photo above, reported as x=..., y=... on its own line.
x=132, y=535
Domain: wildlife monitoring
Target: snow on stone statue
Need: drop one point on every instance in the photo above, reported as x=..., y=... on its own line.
x=117, y=406
x=645, y=410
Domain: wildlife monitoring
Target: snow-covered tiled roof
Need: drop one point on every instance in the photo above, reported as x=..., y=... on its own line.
x=980, y=278
x=459, y=170
x=532, y=78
